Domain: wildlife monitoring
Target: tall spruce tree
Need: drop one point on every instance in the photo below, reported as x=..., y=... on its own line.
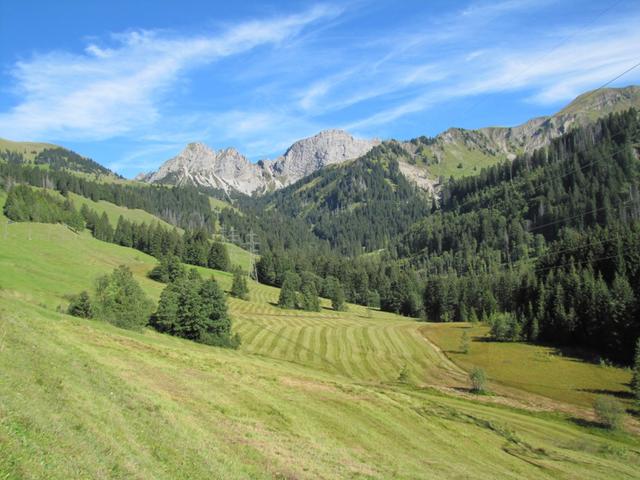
x=239, y=287
x=335, y=292
x=635, y=379
x=218, y=257
x=290, y=285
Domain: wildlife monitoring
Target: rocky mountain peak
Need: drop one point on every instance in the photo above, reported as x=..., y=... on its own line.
x=227, y=168
x=325, y=148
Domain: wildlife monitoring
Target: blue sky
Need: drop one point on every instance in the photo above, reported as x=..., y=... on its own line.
x=130, y=83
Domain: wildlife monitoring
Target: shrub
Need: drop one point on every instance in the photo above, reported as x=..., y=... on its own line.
x=609, y=411
x=464, y=342
x=80, y=306
x=505, y=327
x=478, y=379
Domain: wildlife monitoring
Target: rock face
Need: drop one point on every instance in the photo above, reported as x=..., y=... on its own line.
x=199, y=165
x=227, y=169
x=310, y=154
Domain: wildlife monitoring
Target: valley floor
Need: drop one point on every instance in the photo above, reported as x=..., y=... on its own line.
x=308, y=395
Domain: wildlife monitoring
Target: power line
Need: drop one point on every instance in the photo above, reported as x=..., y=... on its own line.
x=253, y=245
x=589, y=260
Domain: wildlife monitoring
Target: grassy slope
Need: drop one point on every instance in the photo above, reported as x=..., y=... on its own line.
x=29, y=150
x=84, y=399
x=238, y=255
x=528, y=367
x=114, y=211
x=472, y=160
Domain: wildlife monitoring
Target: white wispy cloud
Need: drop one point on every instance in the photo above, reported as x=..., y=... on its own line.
x=549, y=71
x=113, y=90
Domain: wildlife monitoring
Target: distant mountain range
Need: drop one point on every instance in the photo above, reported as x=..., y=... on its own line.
x=455, y=152
x=228, y=169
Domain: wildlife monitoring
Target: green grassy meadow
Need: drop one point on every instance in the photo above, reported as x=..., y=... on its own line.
x=29, y=150
x=472, y=161
x=532, y=368
x=308, y=394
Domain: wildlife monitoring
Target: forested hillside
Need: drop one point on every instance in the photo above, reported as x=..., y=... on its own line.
x=551, y=238
x=51, y=156
x=357, y=207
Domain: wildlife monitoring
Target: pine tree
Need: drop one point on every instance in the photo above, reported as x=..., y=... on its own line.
x=635, y=380
x=218, y=257
x=121, y=301
x=103, y=230
x=170, y=269
x=288, y=290
x=217, y=322
x=308, y=299
x=335, y=292
x=337, y=300
x=239, y=287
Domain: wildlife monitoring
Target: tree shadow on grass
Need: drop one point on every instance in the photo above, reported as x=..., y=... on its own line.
x=614, y=393
x=583, y=422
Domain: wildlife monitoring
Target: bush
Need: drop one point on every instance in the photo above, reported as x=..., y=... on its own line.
x=80, y=306
x=505, y=327
x=609, y=412
x=478, y=379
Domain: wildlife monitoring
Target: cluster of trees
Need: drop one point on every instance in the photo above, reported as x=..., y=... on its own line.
x=117, y=299
x=375, y=281
x=192, y=247
x=184, y=207
x=58, y=158
x=61, y=158
x=26, y=204
x=302, y=291
x=299, y=291
x=195, y=309
x=189, y=306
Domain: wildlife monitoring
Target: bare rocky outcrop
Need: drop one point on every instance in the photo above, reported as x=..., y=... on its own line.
x=228, y=169
x=310, y=154
x=199, y=165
